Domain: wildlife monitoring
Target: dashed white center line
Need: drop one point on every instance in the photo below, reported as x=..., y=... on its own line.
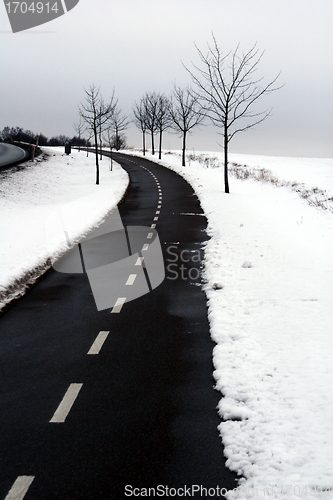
x=139, y=261
x=149, y=236
x=158, y=212
x=145, y=247
x=131, y=279
x=153, y=226
x=118, y=305
x=155, y=218
x=66, y=404
x=97, y=345
x=20, y=488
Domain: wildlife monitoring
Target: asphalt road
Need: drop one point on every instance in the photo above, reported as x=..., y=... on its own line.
x=10, y=154
x=94, y=404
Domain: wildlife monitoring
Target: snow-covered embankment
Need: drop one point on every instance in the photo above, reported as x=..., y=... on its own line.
x=28, y=197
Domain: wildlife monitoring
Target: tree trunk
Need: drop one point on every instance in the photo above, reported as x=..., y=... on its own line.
x=96, y=154
x=226, y=181
x=152, y=144
x=184, y=149
x=144, y=142
x=160, y=148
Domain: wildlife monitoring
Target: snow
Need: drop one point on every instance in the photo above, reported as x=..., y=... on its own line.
x=268, y=275
x=268, y=279
x=30, y=196
x=312, y=172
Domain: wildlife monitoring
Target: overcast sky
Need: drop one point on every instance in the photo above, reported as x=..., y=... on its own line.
x=136, y=46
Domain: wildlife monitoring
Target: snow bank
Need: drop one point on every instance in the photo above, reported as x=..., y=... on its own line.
x=28, y=197
x=268, y=272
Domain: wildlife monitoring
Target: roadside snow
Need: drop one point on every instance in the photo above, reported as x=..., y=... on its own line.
x=269, y=284
x=30, y=195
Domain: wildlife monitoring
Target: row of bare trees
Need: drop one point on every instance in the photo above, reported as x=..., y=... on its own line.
x=155, y=113
x=225, y=92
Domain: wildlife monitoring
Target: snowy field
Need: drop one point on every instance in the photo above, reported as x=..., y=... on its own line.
x=269, y=283
x=310, y=171
x=28, y=197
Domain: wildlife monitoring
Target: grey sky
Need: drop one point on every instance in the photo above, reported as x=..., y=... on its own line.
x=136, y=46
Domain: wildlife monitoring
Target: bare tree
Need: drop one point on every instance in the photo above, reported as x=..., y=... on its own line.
x=100, y=114
x=96, y=114
x=227, y=89
x=151, y=105
x=118, y=123
x=109, y=139
x=163, y=118
x=140, y=120
x=88, y=141
x=79, y=129
x=185, y=112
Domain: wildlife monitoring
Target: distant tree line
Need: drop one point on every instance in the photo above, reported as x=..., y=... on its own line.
x=17, y=134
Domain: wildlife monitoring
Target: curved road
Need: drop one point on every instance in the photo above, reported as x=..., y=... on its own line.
x=141, y=411
x=10, y=154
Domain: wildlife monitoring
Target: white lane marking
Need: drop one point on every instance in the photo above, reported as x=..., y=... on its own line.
x=145, y=247
x=153, y=226
x=118, y=305
x=66, y=403
x=155, y=218
x=159, y=206
x=139, y=261
x=149, y=236
x=19, y=488
x=131, y=279
x=158, y=212
x=99, y=341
